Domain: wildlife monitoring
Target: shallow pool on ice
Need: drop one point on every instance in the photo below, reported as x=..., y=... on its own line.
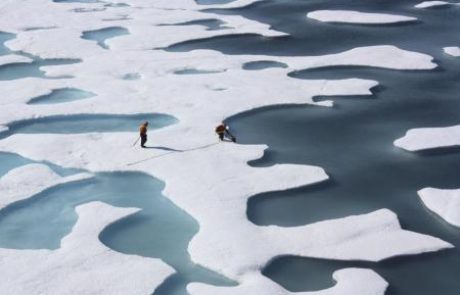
x=88, y=123
x=15, y=71
x=160, y=229
x=61, y=95
x=102, y=35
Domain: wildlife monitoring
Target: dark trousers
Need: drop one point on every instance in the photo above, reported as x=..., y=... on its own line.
x=221, y=135
x=143, y=139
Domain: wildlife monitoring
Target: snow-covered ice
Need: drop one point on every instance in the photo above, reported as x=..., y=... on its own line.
x=454, y=51
x=223, y=220
x=82, y=265
x=357, y=17
x=23, y=182
x=201, y=171
x=429, y=138
x=14, y=59
x=349, y=281
x=428, y=4
x=444, y=202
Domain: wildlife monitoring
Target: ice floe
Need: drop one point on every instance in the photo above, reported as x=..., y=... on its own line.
x=444, y=202
x=211, y=181
x=83, y=265
x=428, y=4
x=41, y=41
x=14, y=59
x=23, y=182
x=349, y=281
x=223, y=220
x=357, y=17
x=429, y=138
x=61, y=40
x=98, y=74
x=454, y=51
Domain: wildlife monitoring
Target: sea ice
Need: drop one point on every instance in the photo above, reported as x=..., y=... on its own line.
x=349, y=281
x=428, y=4
x=224, y=227
x=83, y=265
x=444, y=202
x=357, y=17
x=429, y=138
x=23, y=182
x=61, y=95
x=212, y=181
x=14, y=59
x=454, y=51
x=42, y=40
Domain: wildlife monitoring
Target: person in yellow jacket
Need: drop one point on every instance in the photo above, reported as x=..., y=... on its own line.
x=222, y=130
x=143, y=133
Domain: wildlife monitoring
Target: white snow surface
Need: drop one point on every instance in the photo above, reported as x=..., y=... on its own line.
x=428, y=4
x=454, y=51
x=444, y=202
x=23, y=182
x=226, y=240
x=429, y=138
x=14, y=59
x=349, y=281
x=357, y=17
x=211, y=181
x=83, y=265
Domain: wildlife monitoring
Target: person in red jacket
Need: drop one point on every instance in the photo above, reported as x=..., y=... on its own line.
x=222, y=130
x=143, y=133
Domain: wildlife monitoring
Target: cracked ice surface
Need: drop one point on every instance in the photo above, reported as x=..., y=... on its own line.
x=227, y=241
x=357, y=17
x=82, y=265
x=444, y=202
x=429, y=138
